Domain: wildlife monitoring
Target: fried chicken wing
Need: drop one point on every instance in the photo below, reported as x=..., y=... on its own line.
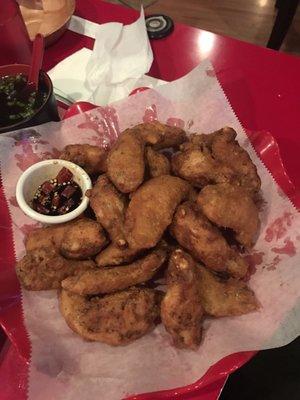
x=231, y=207
x=198, y=167
x=116, y=255
x=224, y=298
x=109, y=206
x=151, y=209
x=79, y=239
x=158, y=164
x=83, y=239
x=194, y=232
x=200, y=141
x=181, y=310
x=125, y=162
x=227, y=150
x=159, y=135
x=108, y=280
x=115, y=319
x=50, y=236
x=205, y=140
x=91, y=158
x=44, y=269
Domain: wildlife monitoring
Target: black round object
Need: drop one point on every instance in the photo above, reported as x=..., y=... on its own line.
x=159, y=26
x=48, y=110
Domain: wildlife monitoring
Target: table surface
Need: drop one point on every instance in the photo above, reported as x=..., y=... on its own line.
x=263, y=86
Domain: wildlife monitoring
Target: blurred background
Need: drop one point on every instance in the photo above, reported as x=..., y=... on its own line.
x=248, y=20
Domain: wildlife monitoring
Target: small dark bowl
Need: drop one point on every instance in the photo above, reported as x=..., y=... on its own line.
x=48, y=110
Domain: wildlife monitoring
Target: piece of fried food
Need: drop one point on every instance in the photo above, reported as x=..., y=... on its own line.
x=228, y=151
x=194, y=232
x=204, y=141
x=109, y=207
x=160, y=136
x=125, y=162
x=83, y=239
x=181, y=310
x=197, y=166
x=79, y=239
x=116, y=255
x=115, y=319
x=91, y=158
x=231, y=207
x=224, y=298
x=44, y=269
x=108, y=280
x=151, y=210
x=158, y=164
x=50, y=236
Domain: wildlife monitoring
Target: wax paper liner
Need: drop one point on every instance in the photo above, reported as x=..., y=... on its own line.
x=62, y=366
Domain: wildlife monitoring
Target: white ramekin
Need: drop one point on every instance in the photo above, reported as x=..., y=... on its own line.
x=42, y=171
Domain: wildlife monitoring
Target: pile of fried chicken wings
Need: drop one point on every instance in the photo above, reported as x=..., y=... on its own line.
x=163, y=240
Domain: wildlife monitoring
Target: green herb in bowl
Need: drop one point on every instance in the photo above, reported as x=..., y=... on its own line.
x=16, y=103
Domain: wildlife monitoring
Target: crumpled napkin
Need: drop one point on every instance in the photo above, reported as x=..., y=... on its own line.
x=117, y=64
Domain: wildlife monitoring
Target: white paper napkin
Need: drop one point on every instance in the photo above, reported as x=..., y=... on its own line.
x=117, y=64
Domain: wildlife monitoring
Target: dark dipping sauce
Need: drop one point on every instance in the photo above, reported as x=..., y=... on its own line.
x=58, y=196
x=16, y=102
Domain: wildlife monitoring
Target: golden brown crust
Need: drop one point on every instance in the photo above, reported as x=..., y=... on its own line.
x=108, y=280
x=159, y=135
x=116, y=255
x=231, y=207
x=228, y=151
x=194, y=232
x=223, y=154
x=125, y=162
x=225, y=298
x=151, y=210
x=44, y=269
x=79, y=239
x=109, y=206
x=158, y=164
x=91, y=158
x=181, y=310
x=115, y=319
x=83, y=239
x=50, y=236
x=199, y=167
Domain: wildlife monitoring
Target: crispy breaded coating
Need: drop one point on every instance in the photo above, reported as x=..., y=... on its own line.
x=205, y=140
x=199, y=167
x=50, y=236
x=227, y=150
x=44, y=269
x=116, y=255
x=115, y=319
x=181, y=310
x=91, y=158
x=194, y=232
x=151, y=210
x=83, y=239
x=160, y=136
x=78, y=239
x=225, y=298
x=158, y=164
x=125, y=162
x=109, y=206
x=108, y=280
x=231, y=207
